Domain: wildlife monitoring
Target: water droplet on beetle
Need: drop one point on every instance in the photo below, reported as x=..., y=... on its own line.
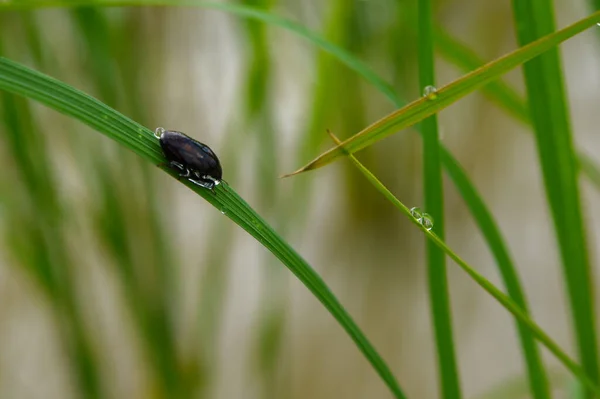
x=427, y=221
x=430, y=92
x=416, y=213
x=159, y=131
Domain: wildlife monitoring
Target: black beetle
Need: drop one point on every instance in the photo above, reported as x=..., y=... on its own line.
x=194, y=160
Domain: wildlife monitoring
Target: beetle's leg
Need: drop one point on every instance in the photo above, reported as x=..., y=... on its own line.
x=172, y=165
x=214, y=181
x=186, y=174
x=208, y=185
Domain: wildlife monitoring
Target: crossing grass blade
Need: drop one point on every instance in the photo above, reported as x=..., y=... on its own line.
x=447, y=95
x=502, y=94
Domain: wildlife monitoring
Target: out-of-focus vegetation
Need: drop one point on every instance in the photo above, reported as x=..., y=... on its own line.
x=145, y=293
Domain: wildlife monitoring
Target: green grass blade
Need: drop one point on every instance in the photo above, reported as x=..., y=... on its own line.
x=445, y=96
x=589, y=168
x=502, y=298
x=467, y=60
x=550, y=117
x=439, y=294
x=18, y=79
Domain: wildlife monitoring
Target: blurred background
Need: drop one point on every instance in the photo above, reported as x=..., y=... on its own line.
x=118, y=282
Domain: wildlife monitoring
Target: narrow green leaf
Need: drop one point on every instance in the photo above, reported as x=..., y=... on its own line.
x=18, y=79
x=447, y=95
x=434, y=204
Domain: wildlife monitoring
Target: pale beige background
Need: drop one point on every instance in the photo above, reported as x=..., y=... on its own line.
x=390, y=301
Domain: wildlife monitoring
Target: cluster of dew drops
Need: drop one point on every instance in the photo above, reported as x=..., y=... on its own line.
x=424, y=219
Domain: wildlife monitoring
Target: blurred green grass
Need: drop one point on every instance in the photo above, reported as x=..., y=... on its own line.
x=127, y=211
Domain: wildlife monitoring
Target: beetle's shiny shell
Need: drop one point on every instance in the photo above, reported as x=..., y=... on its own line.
x=191, y=154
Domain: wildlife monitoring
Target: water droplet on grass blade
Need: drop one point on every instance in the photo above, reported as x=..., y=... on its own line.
x=416, y=213
x=424, y=219
x=427, y=221
x=430, y=92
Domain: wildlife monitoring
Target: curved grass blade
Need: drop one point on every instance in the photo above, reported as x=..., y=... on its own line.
x=18, y=79
x=490, y=288
x=445, y=96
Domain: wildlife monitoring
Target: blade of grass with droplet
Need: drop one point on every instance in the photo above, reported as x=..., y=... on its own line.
x=467, y=60
x=439, y=292
x=18, y=79
x=448, y=94
x=490, y=288
x=501, y=93
x=550, y=116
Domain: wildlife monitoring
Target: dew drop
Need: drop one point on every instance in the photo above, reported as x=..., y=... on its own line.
x=430, y=92
x=416, y=213
x=158, y=132
x=427, y=221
